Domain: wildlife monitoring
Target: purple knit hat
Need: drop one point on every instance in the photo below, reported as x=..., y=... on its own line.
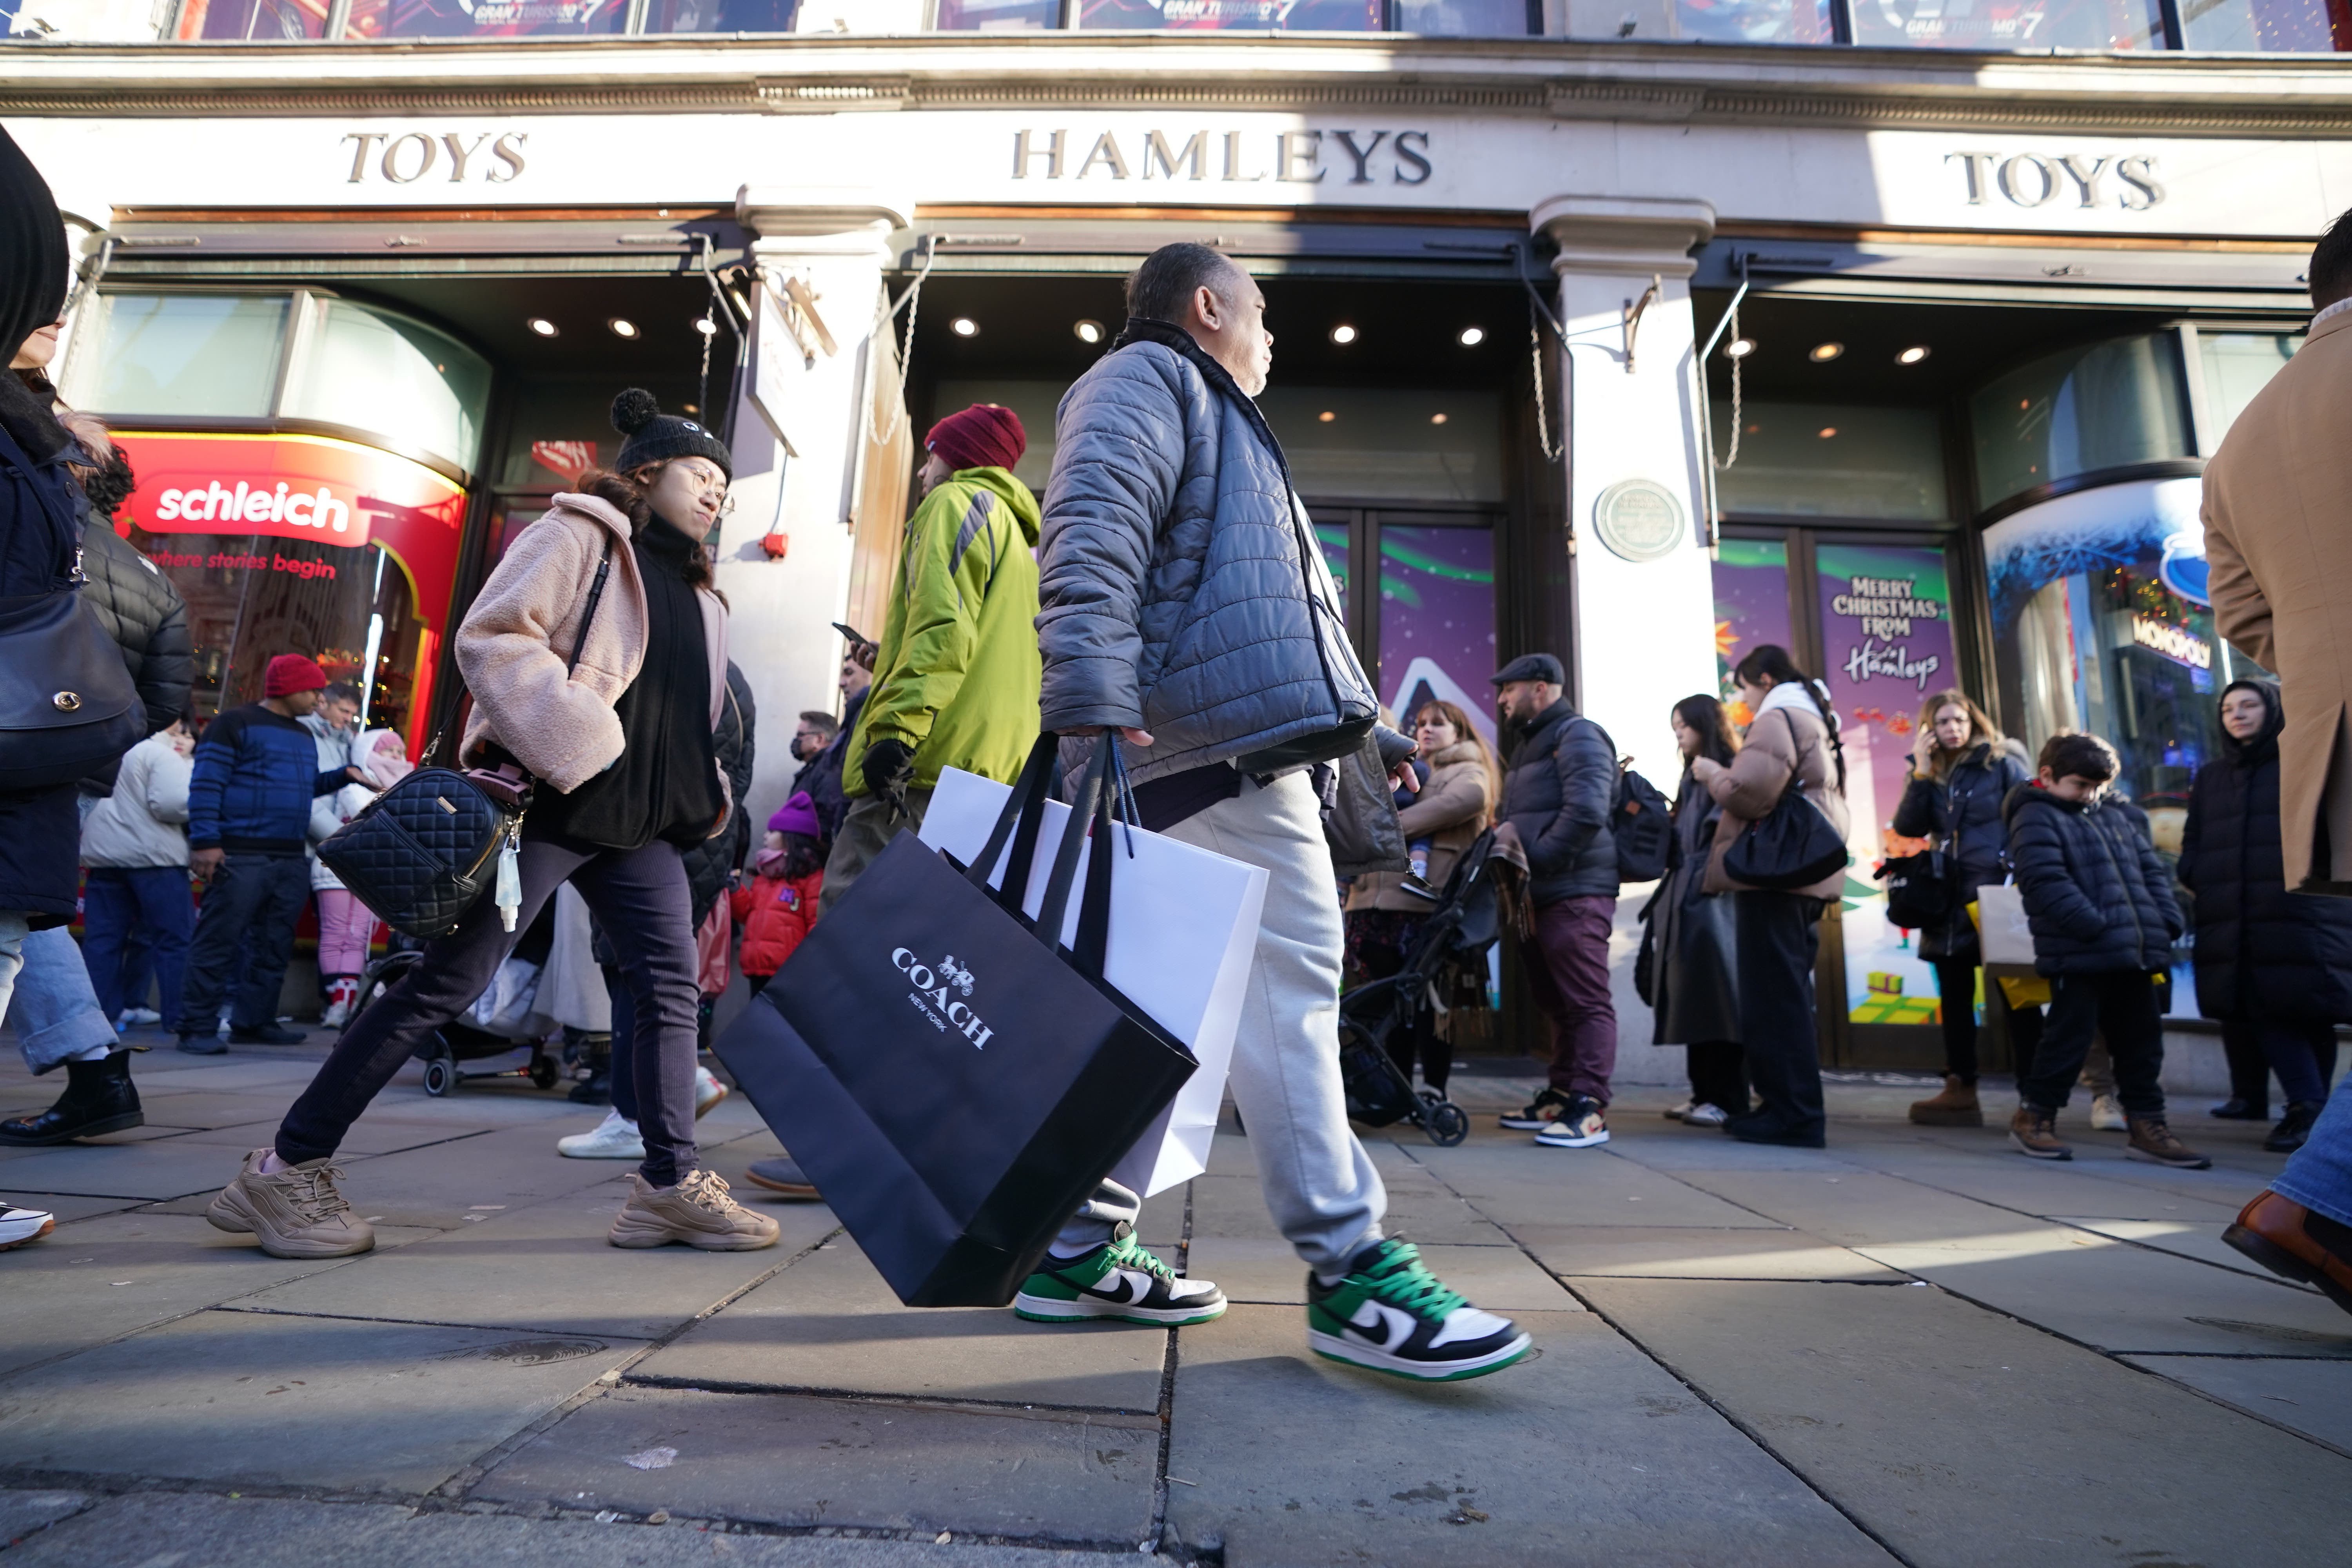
x=797, y=814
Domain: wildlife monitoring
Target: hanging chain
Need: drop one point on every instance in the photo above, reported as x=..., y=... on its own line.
x=1738, y=360
x=1543, y=420
x=911, y=301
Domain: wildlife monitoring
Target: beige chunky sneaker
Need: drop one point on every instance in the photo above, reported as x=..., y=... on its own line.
x=696, y=1212
x=296, y=1212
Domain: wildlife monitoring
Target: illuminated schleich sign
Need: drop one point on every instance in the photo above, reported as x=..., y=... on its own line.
x=312, y=487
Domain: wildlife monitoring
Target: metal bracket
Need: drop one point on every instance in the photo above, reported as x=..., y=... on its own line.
x=1633, y=314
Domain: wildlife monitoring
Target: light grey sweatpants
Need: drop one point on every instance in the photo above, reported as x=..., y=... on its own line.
x=1319, y=1184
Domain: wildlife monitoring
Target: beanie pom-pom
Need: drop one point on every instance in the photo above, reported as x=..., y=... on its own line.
x=633, y=410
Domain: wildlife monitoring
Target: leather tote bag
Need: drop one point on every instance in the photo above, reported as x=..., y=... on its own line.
x=68, y=707
x=1918, y=889
x=1792, y=847
x=954, y=1081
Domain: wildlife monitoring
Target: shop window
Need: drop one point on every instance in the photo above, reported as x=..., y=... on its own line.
x=394, y=378
x=1823, y=459
x=485, y=18
x=1392, y=445
x=2010, y=23
x=2102, y=407
x=1033, y=403
x=1751, y=608
x=207, y=355
x=721, y=15
x=2268, y=26
x=1437, y=618
x=997, y=16
x=1236, y=15
x=251, y=21
x=2236, y=365
x=1708, y=21
x=1468, y=18
x=560, y=427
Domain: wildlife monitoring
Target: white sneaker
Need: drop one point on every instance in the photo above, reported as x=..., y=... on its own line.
x=18, y=1226
x=138, y=1017
x=1704, y=1115
x=616, y=1138
x=2107, y=1114
x=1678, y=1112
x=337, y=1015
x=1581, y=1126
x=708, y=1091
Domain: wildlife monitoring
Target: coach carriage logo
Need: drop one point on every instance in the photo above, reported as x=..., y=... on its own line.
x=937, y=988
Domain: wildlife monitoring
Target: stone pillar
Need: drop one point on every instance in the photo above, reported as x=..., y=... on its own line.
x=834, y=242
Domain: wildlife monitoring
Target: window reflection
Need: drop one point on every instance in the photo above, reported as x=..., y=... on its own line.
x=2107, y=406
x=252, y=21
x=2010, y=23
x=1235, y=16
x=211, y=354
x=1712, y=21
x=999, y=16
x=2273, y=26
x=1832, y=459
x=485, y=18
x=721, y=15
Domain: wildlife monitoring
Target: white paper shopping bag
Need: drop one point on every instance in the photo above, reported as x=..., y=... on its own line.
x=2004, y=936
x=1184, y=929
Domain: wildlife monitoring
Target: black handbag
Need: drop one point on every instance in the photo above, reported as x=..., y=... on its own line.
x=67, y=706
x=1792, y=847
x=421, y=853
x=1918, y=889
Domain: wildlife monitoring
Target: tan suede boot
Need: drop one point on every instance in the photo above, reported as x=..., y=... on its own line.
x=1955, y=1107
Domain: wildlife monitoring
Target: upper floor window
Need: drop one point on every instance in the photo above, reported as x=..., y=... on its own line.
x=1439, y=19
x=2010, y=23
x=226, y=21
x=1707, y=21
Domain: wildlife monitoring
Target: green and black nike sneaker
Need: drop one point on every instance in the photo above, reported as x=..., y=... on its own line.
x=1120, y=1281
x=1391, y=1314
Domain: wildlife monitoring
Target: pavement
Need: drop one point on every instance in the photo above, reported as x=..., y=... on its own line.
x=1915, y=1346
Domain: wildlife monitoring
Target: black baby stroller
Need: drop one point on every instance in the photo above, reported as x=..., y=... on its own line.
x=511, y=1027
x=1461, y=925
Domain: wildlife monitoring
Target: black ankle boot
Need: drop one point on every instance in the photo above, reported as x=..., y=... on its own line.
x=99, y=1098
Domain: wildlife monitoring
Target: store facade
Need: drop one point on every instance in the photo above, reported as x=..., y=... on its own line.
x=1988, y=314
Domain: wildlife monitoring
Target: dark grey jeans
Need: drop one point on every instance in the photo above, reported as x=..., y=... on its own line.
x=252, y=903
x=639, y=897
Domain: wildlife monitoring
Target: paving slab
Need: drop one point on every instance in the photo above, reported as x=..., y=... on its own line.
x=23, y=1512
x=829, y=1324
x=2104, y=1186
x=1589, y=1454
x=167, y=1105
x=2188, y=1238
x=1633, y=1252
x=1853, y=1205
x=2314, y=1397
x=66, y=1206
x=231, y=1397
x=438, y=1186
x=1694, y=1149
x=1499, y=1277
x=547, y=1267
x=1529, y=1186
x=370, y=1135
x=2122, y=1298
x=1961, y=1437
x=195, y=1531
x=96, y=1280
x=160, y=1168
x=793, y=1459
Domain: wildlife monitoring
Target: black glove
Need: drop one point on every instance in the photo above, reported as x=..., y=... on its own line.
x=889, y=765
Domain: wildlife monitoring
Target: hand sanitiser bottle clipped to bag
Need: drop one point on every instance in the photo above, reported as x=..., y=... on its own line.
x=508, y=891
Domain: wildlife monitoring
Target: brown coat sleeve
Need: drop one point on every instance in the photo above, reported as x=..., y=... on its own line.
x=1457, y=795
x=1752, y=785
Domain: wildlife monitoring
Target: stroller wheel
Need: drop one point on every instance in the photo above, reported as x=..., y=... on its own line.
x=542, y=1070
x=440, y=1075
x=1446, y=1124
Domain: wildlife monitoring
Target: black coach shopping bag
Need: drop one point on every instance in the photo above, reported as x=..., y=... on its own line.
x=956, y=1084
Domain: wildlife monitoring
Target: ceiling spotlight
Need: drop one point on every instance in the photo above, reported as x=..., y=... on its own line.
x=706, y=326
x=1821, y=353
x=1828, y=431
x=965, y=327
x=1437, y=419
x=1473, y=336
x=1325, y=416
x=1911, y=355
x=622, y=327
x=1088, y=331
x=542, y=325
x=1343, y=333
x=1740, y=348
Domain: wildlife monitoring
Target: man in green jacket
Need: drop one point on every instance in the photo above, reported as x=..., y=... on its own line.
x=956, y=682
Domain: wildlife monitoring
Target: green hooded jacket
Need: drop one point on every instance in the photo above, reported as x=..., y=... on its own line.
x=958, y=674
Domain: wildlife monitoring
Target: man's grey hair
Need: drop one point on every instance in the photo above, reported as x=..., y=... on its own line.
x=1162, y=287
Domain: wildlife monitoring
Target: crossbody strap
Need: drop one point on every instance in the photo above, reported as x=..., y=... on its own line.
x=595, y=593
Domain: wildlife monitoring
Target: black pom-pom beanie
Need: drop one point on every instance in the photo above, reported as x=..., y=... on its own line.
x=649, y=436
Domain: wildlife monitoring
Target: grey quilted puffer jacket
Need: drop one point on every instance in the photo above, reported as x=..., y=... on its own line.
x=1179, y=591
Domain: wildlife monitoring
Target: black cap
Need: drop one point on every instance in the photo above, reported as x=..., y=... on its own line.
x=649, y=436
x=1532, y=667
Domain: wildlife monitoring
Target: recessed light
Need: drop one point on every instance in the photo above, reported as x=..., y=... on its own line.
x=1088, y=331
x=1473, y=336
x=1821, y=353
x=622, y=327
x=965, y=327
x=1327, y=417
x=1740, y=348
x=1913, y=356
x=1828, y=431
x=1437, y=419
x=542, y=325
x=706, y=326
x=1343, y=333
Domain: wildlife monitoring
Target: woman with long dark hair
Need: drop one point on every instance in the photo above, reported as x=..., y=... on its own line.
x=1793, y=734
x=620, y=745
x=1962, y=771
x=1693, y=941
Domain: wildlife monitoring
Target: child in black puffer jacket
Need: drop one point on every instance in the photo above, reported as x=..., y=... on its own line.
x=2100, y=903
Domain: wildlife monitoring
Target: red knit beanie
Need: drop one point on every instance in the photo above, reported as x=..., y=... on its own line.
x=290, y=673
x=985, y=436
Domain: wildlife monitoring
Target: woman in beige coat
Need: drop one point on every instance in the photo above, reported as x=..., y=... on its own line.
x=1384, y=909
x=1792, y=734
x=611, y=713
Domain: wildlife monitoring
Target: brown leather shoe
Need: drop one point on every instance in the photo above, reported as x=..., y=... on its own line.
x=2153, y=1140
x=1955, y=1107
x=2295, y=1244
x=2035, y=1132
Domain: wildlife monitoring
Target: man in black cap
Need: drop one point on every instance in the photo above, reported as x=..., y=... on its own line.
x=1561, y=784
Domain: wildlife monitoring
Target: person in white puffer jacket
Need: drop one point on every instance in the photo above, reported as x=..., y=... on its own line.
x=135, y=844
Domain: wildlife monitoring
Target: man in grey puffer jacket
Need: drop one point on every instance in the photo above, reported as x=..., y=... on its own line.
x=1184, y=605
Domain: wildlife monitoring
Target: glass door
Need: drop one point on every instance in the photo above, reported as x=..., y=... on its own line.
x=1426, y=628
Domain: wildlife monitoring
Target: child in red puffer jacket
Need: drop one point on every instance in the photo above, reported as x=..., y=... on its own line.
x=777, y=906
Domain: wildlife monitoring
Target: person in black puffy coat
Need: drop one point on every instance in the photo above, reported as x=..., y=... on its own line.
x=2099, y=901
x=2276, y=968
x=1961, y=771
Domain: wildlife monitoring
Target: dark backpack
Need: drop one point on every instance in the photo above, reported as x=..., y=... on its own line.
x=1644, y=826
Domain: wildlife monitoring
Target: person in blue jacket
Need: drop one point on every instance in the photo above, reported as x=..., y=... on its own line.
x=257, y=772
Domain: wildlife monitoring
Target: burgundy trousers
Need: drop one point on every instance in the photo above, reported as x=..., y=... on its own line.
x=1568, y=970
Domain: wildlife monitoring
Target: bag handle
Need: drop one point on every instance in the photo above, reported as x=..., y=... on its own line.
x=1088, y=804
x=1023, y=816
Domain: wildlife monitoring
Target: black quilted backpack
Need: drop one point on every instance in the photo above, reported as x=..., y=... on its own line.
x=422, y=852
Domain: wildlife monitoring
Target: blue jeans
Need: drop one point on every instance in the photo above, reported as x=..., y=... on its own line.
x=2319, y=1174
x=132, y=920
x=54, y=1011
